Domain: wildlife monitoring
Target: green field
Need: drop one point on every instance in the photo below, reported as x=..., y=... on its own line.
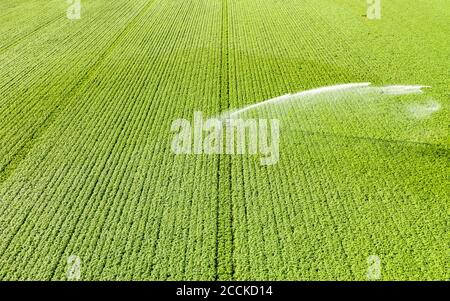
x=87, y=170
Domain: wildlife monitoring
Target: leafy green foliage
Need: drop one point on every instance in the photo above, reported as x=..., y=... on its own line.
x=86, y=167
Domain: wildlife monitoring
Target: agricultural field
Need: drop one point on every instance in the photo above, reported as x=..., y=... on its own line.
x=89, y=179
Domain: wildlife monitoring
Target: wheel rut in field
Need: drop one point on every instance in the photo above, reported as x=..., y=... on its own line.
x=225, y=237
x=29, y=34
